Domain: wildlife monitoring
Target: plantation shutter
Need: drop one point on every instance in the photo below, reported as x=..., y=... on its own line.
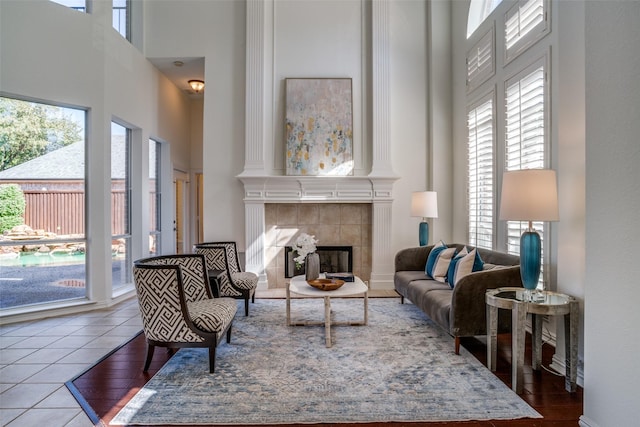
x=525, y=139
x=480, y=61
x=525, y=23
x=480, y=174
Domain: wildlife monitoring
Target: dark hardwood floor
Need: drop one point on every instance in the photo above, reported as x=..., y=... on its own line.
x=107, y=387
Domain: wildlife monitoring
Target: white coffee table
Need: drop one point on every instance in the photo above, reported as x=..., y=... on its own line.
x=299, y=286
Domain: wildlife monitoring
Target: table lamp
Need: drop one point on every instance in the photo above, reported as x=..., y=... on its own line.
x=424, y=204
x=529, y=195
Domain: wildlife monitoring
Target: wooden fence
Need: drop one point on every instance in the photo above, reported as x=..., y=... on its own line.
x=59, y=207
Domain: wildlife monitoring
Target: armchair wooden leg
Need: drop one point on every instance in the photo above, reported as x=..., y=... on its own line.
x=147, y=362
x=457, y=344
x=212, y=359
x=229, y=335
x=401, y=299
x=246, y=305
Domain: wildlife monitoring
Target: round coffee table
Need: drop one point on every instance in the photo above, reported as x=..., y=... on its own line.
x=299, y=286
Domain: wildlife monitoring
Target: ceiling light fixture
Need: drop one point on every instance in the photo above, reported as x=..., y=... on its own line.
x=196, y=85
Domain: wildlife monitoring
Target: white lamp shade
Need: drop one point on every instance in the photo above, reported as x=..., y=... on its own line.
x=529, y=195
x=424, y=204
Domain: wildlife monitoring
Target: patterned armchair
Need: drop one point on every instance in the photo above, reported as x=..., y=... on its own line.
x=233, y=282
x=177, y=307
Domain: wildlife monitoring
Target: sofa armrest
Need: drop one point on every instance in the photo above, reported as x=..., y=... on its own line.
x=412, y=259
x=468, y=309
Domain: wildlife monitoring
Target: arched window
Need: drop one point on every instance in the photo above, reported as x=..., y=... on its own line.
x=508, y=101
x=478, y=12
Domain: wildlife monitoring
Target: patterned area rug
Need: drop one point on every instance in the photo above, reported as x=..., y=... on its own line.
x=401, y=367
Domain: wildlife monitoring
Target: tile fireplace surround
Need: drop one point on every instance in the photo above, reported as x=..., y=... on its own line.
x=353, y=211
x=332, y=224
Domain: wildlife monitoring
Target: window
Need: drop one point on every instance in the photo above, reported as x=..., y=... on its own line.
x=79, y=5
x=526, y=23
x=480, y=164
x=525, y=132
x=481, y=61
x=42, y=203
x=155, y=197
x=525, y=122
x=479, y=10
x=508, y=104
x=120, y=205
x=122, y=17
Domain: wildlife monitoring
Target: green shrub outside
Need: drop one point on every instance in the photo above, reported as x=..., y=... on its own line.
x=12, y=206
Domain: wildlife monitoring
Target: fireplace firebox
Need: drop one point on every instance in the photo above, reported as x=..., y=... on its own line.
x=333, y=259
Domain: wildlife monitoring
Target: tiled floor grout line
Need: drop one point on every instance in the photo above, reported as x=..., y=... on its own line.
x=35, y=364
x=38, y=357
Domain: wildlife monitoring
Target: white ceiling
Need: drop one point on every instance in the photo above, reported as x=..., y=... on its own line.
x=192, y=69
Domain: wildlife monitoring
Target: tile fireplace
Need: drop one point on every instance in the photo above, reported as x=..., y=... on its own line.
x=342, y=211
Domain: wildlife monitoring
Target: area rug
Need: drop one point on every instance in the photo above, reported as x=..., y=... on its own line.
x=401, y=367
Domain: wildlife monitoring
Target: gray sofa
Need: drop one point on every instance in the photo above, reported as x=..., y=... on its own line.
x=460, y=311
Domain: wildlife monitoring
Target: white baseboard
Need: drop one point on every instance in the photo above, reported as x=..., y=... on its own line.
x=586, y=422
x=558, y=365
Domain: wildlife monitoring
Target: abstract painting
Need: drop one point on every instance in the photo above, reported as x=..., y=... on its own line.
x=319, y=127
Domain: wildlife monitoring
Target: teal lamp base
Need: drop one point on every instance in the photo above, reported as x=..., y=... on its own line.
x=424, y=233
x=530, y=260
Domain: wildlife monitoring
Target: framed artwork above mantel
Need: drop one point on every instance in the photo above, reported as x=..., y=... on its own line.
x=319, y=126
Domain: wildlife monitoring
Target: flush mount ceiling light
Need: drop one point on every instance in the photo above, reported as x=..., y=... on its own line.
x=196, y=85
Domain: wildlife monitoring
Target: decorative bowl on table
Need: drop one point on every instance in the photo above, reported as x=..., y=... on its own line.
x=326, y=284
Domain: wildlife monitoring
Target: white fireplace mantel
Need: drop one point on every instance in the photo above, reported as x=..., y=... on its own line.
x=259, y=190
x=317, y=189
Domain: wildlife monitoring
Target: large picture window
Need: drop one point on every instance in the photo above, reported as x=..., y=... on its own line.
x=42, y=203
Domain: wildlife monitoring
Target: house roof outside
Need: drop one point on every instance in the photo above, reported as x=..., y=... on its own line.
x=66, y=163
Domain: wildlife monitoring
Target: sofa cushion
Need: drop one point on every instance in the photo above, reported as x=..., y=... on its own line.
x=438, y=261
x=433, y=257
x=418, y=289
x=465, y=265
x=454, y=262
x=442, y=264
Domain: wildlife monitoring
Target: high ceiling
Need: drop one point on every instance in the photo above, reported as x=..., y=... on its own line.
x=191, y=69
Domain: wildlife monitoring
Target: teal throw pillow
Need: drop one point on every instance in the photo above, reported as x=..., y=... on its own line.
x=465, y=266
x=454, y=262
x=433, y=256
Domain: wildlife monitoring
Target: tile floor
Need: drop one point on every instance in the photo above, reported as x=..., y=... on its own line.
x=38, y=357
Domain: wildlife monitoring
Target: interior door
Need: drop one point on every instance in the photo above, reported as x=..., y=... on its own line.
x=180, y=225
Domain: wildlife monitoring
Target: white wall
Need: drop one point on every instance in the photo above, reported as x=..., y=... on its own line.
x=613, y=202
x=409, y=112
x=315, y=38
x=89, y=65
x=214, y=30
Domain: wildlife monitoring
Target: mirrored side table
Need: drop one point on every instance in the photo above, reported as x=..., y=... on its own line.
x=546, y=303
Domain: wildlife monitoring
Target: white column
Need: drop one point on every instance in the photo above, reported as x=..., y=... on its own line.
x=382, y=256
x=380, y=28
x=254, y=97
x=254, y=232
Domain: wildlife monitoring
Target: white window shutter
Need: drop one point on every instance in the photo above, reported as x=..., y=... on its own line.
x=525, y=23
x=480, y=125
x=481, y=61
x=525, y=139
